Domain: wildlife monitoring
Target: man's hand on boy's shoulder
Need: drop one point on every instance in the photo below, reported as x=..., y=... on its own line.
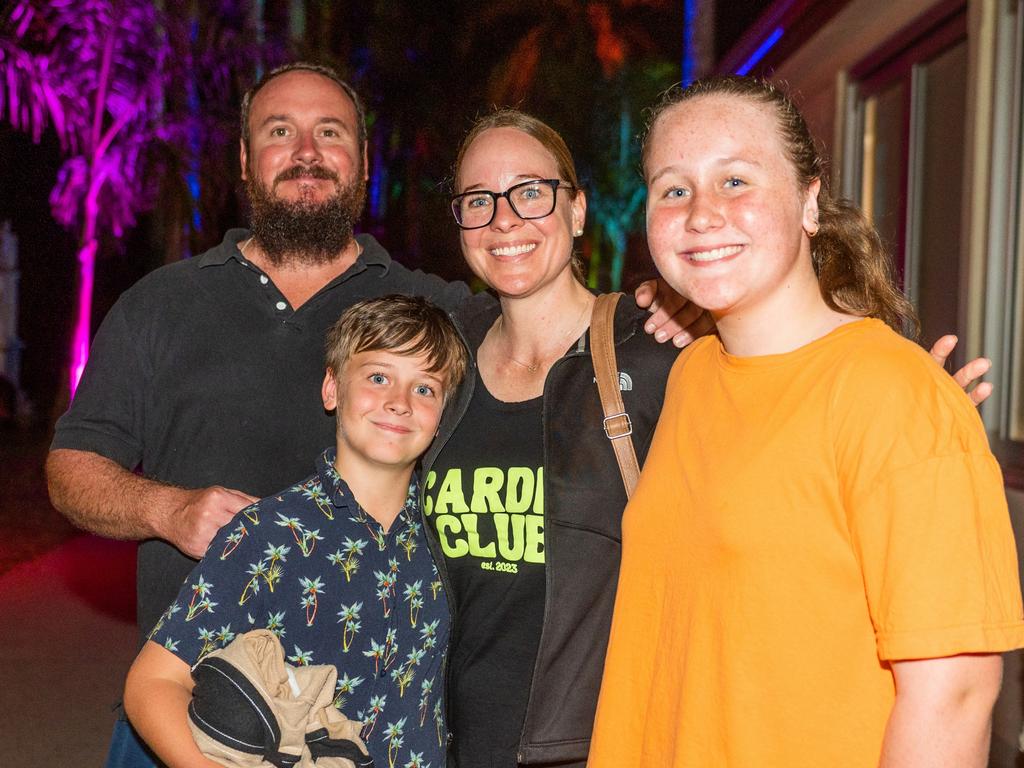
x=672, y=316
x=194, y=518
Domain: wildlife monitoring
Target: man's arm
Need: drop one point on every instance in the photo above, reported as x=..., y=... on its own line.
x=942, y=717
x=101, y=496
x=156, y=697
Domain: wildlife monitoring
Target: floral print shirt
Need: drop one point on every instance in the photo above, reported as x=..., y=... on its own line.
x=312, y=566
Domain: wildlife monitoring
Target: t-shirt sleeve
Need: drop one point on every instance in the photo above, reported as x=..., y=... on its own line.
x=225, y=594
x=108, y=411
x=927, y=513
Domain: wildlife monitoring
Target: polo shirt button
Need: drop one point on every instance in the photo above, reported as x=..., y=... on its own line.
x=281, y=305
x=264, y=279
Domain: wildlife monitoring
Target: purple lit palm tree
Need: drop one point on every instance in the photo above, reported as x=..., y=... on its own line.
x=94, y=71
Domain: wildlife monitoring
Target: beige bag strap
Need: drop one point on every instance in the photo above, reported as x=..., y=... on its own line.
x=617, y=425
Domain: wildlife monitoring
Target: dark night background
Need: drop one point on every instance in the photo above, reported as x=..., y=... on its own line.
x=424, y=70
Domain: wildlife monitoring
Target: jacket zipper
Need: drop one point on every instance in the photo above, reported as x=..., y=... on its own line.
x=579, y=351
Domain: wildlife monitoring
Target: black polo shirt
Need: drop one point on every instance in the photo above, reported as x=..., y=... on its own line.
x=202, y=374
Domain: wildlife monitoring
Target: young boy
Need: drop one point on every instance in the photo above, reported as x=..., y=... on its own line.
x=336, y=565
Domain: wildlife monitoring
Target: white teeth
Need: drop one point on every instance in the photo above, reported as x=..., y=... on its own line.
x=513, y=250
x=715, y=253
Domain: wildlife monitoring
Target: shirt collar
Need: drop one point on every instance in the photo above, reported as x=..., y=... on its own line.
x=373, y=253
x=341, y=497
x=226, y=250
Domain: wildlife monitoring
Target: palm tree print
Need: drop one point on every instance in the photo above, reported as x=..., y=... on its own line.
x=428, y=634
x=306, y=539
x=390, y=647
x=171, y=645
x=275, y=623
x=416, y=761
x=313, y=491
x=349, y=619
x=301, y=658
x=208, y=640
x=348, y=557
x=294, y=525
x=172, y=609
x=252, y=587
x=408, y=540
x=311, y=588
x=233, y=540
x=309, y=540
x=377, y=704
x=405, y=674
x=393, y=735
x=252, y=512
x=426, y=688
x=402, y=677
x=200, y=602
x=413, y=596
x=343, y=687
x=275, y=555
x=225, y=635
x=376, y=652
x=385, y=588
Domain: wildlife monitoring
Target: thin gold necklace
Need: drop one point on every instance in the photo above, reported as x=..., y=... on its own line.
x=536, y=366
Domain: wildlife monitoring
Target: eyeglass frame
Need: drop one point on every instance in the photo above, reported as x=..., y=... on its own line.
x=555, y=184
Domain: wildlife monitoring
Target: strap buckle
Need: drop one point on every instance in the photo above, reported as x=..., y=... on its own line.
x=618, y=425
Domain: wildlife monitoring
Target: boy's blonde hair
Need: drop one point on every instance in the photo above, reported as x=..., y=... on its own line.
x=410, y=325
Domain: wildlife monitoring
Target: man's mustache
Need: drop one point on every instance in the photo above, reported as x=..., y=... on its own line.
x=306, y=172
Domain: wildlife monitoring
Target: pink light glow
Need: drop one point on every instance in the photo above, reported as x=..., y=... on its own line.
x=80, y=335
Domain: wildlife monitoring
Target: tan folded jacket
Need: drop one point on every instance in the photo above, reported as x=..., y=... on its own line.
x=249, y=708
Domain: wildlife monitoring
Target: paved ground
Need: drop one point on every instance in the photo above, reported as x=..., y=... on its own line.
x=67, y=621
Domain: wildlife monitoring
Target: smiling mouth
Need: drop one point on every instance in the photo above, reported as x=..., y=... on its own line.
x=714, y=254
x=512, y=250
x=392, y=428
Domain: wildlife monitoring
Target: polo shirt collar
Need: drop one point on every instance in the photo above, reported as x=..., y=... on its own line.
x=226, y=250
x=372, y=253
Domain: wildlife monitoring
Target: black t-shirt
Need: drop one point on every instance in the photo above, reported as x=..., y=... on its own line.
x=485, y=498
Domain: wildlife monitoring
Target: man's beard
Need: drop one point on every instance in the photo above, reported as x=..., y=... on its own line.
x=303, y=232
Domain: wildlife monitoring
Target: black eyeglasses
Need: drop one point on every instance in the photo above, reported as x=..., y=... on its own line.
x=529, y=200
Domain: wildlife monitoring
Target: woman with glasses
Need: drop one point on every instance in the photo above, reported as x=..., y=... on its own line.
x=523, y=500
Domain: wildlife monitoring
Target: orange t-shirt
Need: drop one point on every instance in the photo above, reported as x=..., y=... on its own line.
x=801, y=520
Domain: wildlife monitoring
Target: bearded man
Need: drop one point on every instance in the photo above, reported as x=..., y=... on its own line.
x=206, y=374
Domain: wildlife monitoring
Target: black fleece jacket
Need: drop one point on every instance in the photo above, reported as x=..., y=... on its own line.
x=583, y=503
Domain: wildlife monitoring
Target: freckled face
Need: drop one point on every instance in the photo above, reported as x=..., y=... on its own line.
x=725, y=217
x=388, y=408
x=303, y=138
x=514, y=256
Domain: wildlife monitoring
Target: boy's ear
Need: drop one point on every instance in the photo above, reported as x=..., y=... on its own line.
x=329, y=391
